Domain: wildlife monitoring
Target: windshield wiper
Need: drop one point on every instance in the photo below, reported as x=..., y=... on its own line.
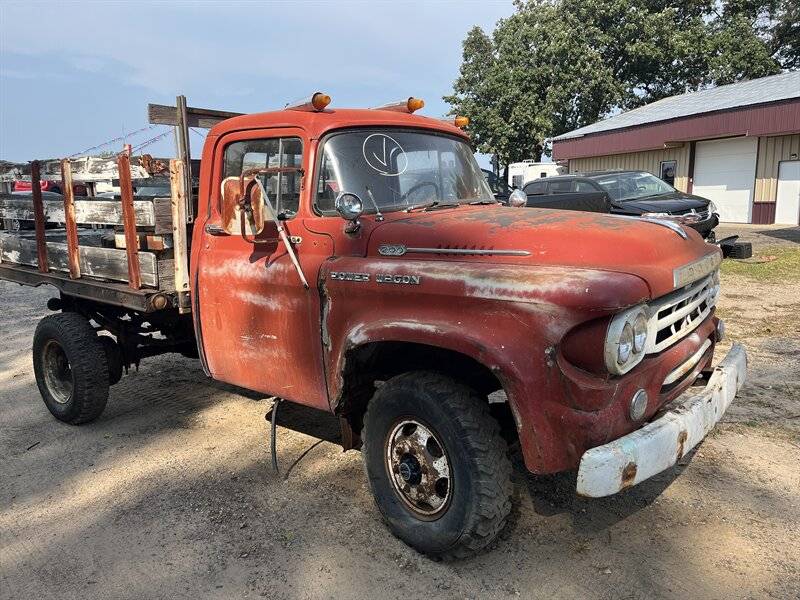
x=433, y=204
x=645, y=196
x=439, y=205
x=485, y=202
x=378, y=213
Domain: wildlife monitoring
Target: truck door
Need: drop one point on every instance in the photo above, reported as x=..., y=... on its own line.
x=260, y=326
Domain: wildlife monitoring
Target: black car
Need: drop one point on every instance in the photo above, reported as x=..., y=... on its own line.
x=636, y=193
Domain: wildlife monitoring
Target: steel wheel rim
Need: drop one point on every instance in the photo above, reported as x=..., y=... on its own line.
x=57, y=372
x=419, y=468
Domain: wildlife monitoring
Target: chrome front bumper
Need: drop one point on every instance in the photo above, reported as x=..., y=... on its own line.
x=631, y=459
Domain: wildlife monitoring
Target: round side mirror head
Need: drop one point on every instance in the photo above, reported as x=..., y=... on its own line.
x=517, y=198
x=349, y=206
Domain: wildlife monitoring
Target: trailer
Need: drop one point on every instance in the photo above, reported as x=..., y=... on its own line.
x=526, y=171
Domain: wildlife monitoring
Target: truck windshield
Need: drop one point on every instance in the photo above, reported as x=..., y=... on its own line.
x=631, y=186
x=398, y=169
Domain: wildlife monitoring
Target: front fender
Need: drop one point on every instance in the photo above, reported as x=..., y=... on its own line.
x=508, y=318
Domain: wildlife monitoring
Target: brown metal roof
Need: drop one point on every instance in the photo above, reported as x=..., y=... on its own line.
x=756, y=120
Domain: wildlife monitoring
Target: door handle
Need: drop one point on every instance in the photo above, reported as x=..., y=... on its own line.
x=213, y=229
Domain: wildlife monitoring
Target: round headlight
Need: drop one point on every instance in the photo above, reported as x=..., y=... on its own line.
x=639, y=332
x=625, y=344
x=626, y=339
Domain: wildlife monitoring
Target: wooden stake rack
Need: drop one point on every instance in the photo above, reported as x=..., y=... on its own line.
x=150, y=259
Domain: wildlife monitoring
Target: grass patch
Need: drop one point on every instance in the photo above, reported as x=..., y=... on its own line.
x=784, y=267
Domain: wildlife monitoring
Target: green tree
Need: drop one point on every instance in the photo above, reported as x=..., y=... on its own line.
x=555, y=65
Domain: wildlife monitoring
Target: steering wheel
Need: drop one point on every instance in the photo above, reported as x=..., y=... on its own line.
x=421, y=185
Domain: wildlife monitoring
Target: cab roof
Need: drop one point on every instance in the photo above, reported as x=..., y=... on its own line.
x=318, y=123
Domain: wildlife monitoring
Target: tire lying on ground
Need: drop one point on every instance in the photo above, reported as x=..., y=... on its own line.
x=71, y=368
x=437, y=465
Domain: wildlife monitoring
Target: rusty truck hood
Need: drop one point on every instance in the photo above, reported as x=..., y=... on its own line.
x=542, y=237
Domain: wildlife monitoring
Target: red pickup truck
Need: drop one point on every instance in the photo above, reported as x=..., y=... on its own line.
x=355, y=261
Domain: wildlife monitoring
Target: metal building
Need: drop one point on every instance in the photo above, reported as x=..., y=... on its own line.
x=737, y=144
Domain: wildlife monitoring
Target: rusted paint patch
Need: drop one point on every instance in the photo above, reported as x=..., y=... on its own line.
x=681, y=441
x=628, y=476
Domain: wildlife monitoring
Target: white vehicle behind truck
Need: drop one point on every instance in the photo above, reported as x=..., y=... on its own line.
x=529, y=170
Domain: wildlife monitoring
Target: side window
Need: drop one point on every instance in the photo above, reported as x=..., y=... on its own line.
x=535, y=187
x=283, y=189
x=327, y=185
x=584, y=186
x=560, y=187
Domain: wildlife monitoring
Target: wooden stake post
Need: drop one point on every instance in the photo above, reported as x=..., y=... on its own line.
x=38, y=219
x=177, y=180
x=129, y=221
x=70, y=225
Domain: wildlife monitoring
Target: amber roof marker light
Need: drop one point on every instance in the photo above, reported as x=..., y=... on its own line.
x=318, y=101
x=409, y=105
x=461, y=122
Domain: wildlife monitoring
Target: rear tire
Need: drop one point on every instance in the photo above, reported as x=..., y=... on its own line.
x=113, y=358
x=437, y=465
x=71, y=368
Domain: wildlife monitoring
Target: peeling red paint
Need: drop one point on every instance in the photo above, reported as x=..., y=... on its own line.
x=262, y=330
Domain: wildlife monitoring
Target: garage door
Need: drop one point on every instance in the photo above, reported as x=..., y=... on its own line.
x=725, y=172
x=787, y=212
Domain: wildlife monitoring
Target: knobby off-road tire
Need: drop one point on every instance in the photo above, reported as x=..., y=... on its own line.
x=412, y=422
x=71, y=368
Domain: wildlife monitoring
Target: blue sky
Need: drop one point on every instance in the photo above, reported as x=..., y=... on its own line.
x=73, y=75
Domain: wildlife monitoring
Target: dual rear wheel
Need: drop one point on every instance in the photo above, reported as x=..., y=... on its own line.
x=71, y=364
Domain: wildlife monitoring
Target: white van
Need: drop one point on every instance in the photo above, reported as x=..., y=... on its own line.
x=528, y=170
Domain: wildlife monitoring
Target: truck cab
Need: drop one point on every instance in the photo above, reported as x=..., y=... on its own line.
x=356, y=261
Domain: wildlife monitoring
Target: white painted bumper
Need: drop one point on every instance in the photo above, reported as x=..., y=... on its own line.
x=610, y=468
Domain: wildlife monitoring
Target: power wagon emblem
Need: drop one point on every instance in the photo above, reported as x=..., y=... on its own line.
x=380, y=278
x=402, y=279
x=344, y=276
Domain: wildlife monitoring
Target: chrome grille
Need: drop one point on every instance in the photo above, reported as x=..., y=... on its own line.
x=699, y=215
x=677, y=314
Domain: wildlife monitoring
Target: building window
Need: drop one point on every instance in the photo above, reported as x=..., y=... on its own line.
x=668, y=168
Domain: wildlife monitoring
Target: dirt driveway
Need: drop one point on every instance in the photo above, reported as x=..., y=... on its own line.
x=170, y=493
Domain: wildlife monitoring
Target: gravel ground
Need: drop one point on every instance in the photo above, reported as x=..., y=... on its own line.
x=170, y=493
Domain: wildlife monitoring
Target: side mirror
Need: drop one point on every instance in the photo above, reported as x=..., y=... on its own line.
x=242, y=210
x=349, y=207
x=517, y=198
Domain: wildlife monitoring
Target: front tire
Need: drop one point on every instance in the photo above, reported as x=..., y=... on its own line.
x=437, y=465
x=71, y=368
